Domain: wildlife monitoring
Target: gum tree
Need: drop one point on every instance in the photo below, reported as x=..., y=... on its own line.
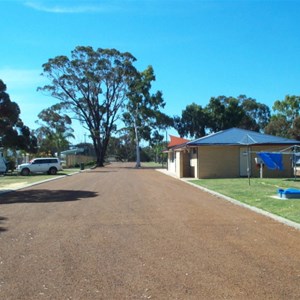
x=193, y=121
x=143, y=115
x=13, y=133
x=54, y=130
x=93, y=86
x=286, y=119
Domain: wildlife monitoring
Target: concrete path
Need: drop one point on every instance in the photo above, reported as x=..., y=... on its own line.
x=122, y=233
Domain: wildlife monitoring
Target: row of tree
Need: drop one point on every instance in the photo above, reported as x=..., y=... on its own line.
x=101, y=87
x=242, y=112
x=98, y=88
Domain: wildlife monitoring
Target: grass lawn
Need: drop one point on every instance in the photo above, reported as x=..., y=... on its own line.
x=151, y=164
x=11, y=180
x=259, y=193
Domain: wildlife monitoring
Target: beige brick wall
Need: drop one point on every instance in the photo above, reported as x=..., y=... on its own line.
x=218, y=162
x=287, y=163
x=224, y=162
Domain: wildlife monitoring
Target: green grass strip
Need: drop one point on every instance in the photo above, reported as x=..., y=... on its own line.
x=9, y=181
x=260, y=193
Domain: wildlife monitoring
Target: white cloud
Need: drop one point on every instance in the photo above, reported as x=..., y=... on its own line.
x=70, y=9
x=21, y=78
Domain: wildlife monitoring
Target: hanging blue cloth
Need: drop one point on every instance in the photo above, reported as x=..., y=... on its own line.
x=272, y=160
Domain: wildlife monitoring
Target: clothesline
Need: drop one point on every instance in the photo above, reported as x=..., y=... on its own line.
x=283, y=151
x=273, y=159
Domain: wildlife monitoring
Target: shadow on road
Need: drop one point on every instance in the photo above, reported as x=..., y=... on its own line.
x=2, y=229
x=45, y=196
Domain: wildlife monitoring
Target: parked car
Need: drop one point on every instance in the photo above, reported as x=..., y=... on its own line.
x=49, y=165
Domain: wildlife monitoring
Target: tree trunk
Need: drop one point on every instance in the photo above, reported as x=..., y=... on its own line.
x=137, y=146
x=98, y=151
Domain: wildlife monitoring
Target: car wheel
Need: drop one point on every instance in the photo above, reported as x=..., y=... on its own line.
x=52, y=171
x=25, y=172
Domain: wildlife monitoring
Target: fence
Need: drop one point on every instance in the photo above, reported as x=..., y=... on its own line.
x=75, y=160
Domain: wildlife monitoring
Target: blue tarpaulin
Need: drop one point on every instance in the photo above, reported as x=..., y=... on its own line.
x=272, y=160
x=289, y=193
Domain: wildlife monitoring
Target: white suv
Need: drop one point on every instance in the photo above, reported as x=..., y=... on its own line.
x=49, y=165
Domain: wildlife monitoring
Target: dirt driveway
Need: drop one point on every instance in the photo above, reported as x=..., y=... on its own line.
x=122, y=233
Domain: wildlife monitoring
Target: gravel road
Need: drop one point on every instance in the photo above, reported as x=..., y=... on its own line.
x=123, y=233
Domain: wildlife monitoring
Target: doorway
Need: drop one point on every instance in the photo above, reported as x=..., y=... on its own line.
x=244, y=162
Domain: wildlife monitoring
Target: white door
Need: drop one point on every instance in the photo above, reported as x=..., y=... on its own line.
x=39, y=166
x=244, y=162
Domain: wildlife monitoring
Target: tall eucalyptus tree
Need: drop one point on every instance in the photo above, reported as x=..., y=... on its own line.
x=93, y=86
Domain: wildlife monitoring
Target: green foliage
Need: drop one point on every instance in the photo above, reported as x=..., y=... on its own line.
x=257, y=114
x=143, y=117
x=241, y=112
x=153, y=153
x=192, y=122
x=93, y=85
x=286, y=120
x=10, y=163
x=122, y=147
x=14, y=134
x=54, y=131
x=222, y=113
x=289, y=107
x=278, y=126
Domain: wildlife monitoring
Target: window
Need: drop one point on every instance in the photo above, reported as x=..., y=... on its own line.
x=37, y=161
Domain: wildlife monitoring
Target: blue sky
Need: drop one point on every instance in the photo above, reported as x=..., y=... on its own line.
x=198, y=49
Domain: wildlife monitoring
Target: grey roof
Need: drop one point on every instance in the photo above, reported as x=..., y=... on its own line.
x=237, y=136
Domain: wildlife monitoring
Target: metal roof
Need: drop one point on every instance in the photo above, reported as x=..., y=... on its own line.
x=237, y=136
